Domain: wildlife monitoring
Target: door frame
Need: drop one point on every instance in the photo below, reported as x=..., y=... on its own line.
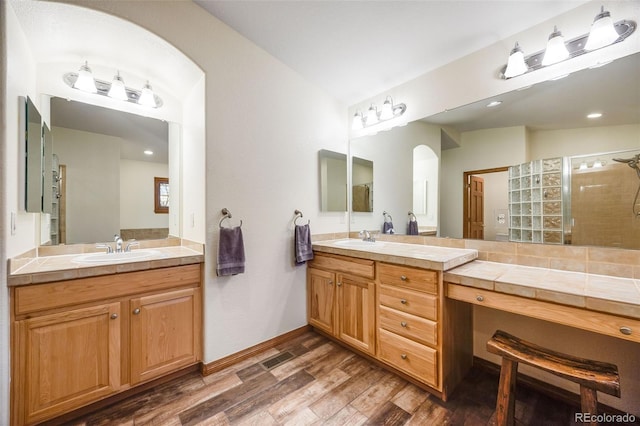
x=466, y=176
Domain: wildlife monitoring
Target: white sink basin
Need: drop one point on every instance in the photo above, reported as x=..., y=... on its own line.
x=359, y=243
x=129, y=256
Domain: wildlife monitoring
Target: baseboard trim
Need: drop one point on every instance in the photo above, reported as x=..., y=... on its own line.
x=547, y=389
x=232, y=359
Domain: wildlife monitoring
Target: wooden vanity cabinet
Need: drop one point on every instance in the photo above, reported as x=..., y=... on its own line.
x=395, y=313
x=78, y=341
x=341, y=299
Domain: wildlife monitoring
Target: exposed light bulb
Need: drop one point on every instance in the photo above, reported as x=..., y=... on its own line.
x=117, y=90
x=603, y=32
x=556, y=49
x=85, y=81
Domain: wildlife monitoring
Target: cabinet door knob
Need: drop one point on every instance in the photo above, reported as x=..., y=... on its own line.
x=136, y=311
x=403, y=301
x=330, y=282
x=403, y=277
x=625, y=330
x=114, y=316
x=403, y=323
x=479, y=298
x=403, y=356
x=339, y=283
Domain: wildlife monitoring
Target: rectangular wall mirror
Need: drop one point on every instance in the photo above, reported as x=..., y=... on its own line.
x=333, y=181
x=34, y=156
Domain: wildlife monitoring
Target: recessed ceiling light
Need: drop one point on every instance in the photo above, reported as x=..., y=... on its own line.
x=594, y=115
x=148, y=152
x=493, y=104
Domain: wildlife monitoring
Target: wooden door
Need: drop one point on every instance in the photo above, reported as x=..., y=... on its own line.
x=165, y=333
x=70, y=359
x=476, y=208
x=321, y=299
x=356, y=304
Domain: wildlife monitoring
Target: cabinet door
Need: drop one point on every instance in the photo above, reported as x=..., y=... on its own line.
x=356, y=312
x=70, y=359
x=165, y=333
x=321, y=299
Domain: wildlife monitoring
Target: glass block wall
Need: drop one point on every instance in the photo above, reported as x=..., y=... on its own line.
x=535, y=201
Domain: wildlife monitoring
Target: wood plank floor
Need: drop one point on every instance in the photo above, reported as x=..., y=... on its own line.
x=322, y=384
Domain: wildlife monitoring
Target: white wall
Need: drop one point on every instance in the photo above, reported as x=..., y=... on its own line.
x=92, y=184
x=136, y=194
x=20, y=81
x=587, y=140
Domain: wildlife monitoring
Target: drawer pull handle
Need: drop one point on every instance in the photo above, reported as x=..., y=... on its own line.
x=403, y=277
x=403, y=323
x=403, y=301
x=136, y=311
x=114, y=316
x=625, y=330
x=479, y=298
x=403, y=356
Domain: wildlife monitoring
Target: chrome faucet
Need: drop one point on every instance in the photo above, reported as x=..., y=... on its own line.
x=131, y=243
x=105, y=246
x=366, y=236
x=118, y=241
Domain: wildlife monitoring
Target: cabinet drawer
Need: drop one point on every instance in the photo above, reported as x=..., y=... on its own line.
x=413, y=358
x=413, y=278
x=415, y=328
x=350, y=265
x=412, y=302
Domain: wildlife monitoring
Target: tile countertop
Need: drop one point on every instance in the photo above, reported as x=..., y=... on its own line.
x=619, y=296
x=421, y=256
x=43, y=269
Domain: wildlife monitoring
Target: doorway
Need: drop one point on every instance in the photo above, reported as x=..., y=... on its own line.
x=485, y=204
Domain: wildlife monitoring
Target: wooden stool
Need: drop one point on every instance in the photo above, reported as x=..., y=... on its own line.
x=591, y=375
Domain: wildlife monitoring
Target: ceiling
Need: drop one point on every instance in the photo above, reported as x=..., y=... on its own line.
x=357, y=49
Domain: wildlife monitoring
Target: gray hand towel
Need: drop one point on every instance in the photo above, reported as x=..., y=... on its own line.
x=303, y=248
x=387, y=228
x=230, y=252
x=412, y=228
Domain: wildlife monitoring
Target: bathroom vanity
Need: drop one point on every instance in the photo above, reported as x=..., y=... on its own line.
x=409, y=306
x=82, y=332
x=387, y=301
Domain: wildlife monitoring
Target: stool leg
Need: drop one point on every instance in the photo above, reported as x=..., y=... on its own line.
x=506, y=403
x=589, y=402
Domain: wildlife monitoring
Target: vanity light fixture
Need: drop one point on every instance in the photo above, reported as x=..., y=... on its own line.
x=84, y=80
x=374, y=116
x=603, y=33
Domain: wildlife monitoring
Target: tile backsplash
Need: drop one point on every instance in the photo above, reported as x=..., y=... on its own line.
x=615, y=262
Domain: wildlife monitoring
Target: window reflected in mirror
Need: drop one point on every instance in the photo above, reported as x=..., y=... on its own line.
x=161, y=198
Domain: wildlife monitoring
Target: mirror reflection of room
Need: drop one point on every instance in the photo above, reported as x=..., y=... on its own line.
x=109, y=179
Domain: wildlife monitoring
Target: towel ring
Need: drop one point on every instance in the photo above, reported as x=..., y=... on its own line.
x=412, y=217
x=298, y=216
x=226, y=214
x=385, y=214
